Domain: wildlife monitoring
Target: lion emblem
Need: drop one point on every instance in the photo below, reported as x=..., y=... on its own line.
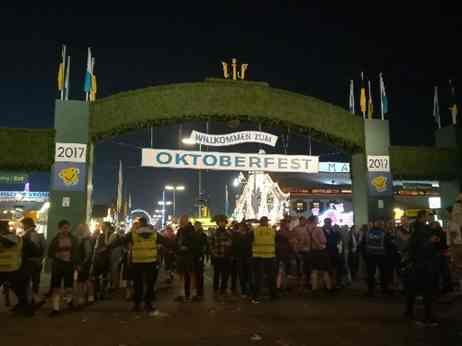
x=70, y=176
x=379, y=183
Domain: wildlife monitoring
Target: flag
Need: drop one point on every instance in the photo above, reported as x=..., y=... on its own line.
x=61, y=69
x=453, y=106
x=370, y=104
x=66, y=82
x=352, y=98
x=120, y=190
x=362, y=96
x=383, y=97
x=93, y=88
x=436, y=108
x=88, y=73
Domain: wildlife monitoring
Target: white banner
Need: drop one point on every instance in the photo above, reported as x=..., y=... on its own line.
x=164, y=158
x=233, y=138
x=70, y=152
x=378, y=163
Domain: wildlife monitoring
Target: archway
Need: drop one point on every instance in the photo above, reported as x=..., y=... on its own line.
x=226, y=100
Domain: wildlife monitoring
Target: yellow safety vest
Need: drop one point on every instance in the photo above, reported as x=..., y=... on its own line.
x=264, y=242
x=144, y=250
x=11, y=257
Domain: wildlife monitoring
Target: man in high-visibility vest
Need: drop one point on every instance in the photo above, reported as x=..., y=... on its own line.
x=144, y=241
x=13, y=252
x=264, y=258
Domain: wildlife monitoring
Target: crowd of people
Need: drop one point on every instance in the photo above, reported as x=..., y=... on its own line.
x=249, y=260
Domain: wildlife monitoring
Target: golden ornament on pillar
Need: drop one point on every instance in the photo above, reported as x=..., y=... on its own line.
x=235, y=74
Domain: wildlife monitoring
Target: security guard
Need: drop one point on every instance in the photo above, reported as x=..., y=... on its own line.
x=264, y=258
x=144, y=241
x=14, y=251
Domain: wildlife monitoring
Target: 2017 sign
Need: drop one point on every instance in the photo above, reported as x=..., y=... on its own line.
x=71, y=152
x=378, y=163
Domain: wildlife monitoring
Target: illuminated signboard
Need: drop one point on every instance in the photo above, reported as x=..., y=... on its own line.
x=7, y=196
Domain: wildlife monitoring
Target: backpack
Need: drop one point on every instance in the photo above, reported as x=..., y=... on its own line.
x=375, y=242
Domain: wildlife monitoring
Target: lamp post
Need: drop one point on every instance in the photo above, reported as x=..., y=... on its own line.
x=190, y=141
x=164, y=203
x=174, y=189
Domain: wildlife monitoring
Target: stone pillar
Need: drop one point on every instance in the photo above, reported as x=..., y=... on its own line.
x=68, y=179
x=368, y=203
x=449, y=137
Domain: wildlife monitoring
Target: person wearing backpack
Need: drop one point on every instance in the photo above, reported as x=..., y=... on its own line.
x=376, y=247
x=34, y=265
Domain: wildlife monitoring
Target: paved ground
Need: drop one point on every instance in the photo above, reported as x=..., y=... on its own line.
x=345, y=319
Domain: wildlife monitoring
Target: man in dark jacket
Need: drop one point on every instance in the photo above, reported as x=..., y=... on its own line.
x=376, y=247
x=33, y=265
x=200, y=250
x=423, y=254
x=220, y=249
x=241, y=254
x=185, y=256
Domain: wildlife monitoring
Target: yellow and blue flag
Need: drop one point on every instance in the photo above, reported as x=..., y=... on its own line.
x=61, y=69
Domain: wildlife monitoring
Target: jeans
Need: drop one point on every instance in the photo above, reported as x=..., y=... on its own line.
x=374, y=262
x=264, y=267
x=240, y=271
x=198, y=276
x=144, y=274
x=221, y=270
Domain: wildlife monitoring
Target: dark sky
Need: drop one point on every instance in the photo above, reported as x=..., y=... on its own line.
x=309, y=48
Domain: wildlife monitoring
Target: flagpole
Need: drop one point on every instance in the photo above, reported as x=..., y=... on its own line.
x=381, y=96
x=67, y=81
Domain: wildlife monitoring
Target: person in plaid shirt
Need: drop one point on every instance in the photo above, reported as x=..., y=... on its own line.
x=220, y=249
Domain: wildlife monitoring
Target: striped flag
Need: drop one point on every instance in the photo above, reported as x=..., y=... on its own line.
x=351, y=105
x=88, y=75
x=383, y=98
x=362, y=97
x=453, y=105
x=93, y=88
x=61, y=71
x=370, y=104
x=436, y=108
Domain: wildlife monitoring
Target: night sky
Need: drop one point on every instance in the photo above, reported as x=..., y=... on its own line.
x=311, y=49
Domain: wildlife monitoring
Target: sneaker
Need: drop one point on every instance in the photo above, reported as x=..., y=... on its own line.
x=197, y=298
x=432, y=323
x=255, y=301
x=54, y=313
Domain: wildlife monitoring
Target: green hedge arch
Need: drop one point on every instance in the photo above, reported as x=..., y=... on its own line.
x=425, y=163
x=27, y=149
x=226, y=100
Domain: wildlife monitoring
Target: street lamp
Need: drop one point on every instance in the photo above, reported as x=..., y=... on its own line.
x=174, y=189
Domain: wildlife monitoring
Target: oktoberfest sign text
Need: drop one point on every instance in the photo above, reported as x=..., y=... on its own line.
x=233, y=138
x=164, y=158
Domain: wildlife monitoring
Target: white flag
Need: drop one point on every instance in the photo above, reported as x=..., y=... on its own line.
x=436, y=108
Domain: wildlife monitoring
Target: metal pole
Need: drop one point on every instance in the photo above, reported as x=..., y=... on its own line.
x=174, y=203
x=163, y=208
x=152, y=137
x=199, y=178
x=226, y=200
